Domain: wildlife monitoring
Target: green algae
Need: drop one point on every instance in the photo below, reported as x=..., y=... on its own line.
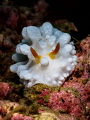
x=17, y=87
x=29, y=109
x=37, y=88
x=87, y=109
x=74, y=91
x=15, y=110
x=64, y=27
x=16, y=92
x=79, y=71
x=25, y=110
x=29, y=102
x=33, y=93
x=62, y=110
x=46, y=98
x=55, y=89
x=84, y=81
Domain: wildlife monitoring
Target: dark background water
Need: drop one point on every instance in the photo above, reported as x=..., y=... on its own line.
x=76, y=11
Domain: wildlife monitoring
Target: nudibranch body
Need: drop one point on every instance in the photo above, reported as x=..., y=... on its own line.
x=45, y=56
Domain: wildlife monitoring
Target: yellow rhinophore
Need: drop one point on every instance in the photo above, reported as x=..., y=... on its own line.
x=55, y=51
x=37, y=57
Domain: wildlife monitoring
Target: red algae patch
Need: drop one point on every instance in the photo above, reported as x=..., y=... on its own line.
x=66, y=101
x=4, y=90
x=17, y=116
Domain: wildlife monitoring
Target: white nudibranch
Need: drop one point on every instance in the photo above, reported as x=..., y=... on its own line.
x=46, y=55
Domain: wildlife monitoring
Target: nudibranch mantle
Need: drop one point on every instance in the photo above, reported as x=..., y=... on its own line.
x=46, y=55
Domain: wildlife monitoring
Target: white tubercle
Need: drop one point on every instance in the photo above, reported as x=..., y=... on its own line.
x=46, y=55
x=24, y=49
x=70, y=59
x=73, y=52
x=33, y=33
x=57, y=33
x=64, y=39
x=24, y=34
x=46, y=29
x=44, y=61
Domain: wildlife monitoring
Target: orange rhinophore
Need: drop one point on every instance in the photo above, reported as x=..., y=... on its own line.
x=54, y=52
x=38, y=57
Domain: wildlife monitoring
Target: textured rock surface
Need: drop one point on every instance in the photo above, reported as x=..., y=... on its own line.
x=37, y=102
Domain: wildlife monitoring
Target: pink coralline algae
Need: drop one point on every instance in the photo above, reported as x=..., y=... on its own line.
x=17, y=116
x=6, y=106
x=74, y=95
x=4, y=90
x=44, y=94
x=5, y=109
x=66, y=102
x=71, y=101
x=83, y=89
x=8, y=92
